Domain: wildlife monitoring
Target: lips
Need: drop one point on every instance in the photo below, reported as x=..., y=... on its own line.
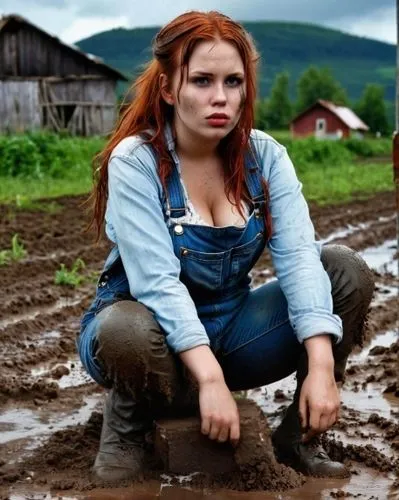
x=218, y=116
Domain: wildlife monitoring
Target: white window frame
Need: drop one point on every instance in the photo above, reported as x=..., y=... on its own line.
x=321, y=129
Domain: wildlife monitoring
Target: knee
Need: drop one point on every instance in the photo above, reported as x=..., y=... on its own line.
x=350, y=276
x=127, y=337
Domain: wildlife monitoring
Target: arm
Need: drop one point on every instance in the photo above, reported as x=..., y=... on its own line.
x=307, y=287
x=296, y=255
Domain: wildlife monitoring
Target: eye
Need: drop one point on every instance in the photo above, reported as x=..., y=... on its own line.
x=234, y=81
x=201, y=81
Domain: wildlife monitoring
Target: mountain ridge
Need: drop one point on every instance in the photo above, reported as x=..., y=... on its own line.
x=283, y=46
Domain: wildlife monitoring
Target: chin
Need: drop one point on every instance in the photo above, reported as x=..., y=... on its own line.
x=216, y=133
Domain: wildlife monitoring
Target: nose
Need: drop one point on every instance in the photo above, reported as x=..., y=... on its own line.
x=219, y=95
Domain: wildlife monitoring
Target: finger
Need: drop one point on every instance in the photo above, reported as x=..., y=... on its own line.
x=314, y=423
x=223, y=434
x=333, y=419
x=205, y=425
x=303, y=412
x=215, y=430
x=324, y=423
x=314, y=418
x=310, y=434
x=235, y=432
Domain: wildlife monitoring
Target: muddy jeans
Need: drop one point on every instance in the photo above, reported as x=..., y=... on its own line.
x=128, y=347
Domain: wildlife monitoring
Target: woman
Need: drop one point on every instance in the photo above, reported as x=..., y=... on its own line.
x=191, y=195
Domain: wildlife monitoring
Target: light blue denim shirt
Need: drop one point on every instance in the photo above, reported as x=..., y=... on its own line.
x=137, y=224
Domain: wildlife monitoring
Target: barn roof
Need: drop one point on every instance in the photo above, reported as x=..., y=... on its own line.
x=12, y=20
x=346, y=115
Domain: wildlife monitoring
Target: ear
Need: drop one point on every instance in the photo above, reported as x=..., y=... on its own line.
x=165, y=92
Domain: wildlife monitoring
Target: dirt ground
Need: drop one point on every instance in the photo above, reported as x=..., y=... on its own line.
x=50, y=411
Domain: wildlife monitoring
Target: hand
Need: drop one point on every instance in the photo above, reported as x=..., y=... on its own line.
x=219, y=414
x=319, y=402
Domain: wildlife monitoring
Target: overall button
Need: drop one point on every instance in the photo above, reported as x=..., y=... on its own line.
x=179, y=229
x=184, y=251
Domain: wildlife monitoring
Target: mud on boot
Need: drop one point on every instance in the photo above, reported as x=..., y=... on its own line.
x=123, y=440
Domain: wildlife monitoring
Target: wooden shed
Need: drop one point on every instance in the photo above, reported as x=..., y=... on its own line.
x=326, y=120
x=45, y=83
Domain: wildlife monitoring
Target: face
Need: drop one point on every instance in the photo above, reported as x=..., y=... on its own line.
x=210, y=100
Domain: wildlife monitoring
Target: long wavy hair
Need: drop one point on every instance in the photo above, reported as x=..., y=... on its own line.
x=172, y=49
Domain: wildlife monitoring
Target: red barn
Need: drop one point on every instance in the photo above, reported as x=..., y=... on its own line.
x=326, y=120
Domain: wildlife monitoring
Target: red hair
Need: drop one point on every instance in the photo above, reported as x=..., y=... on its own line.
x=172, y=48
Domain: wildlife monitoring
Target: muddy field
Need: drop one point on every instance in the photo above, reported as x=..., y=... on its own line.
x=50, y=410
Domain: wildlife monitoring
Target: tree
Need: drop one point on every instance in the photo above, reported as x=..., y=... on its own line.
x=279, y=108
x=319, y=83
x=372, y=110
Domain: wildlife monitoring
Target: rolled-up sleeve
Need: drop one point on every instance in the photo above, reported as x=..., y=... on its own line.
x=145, y=246
x=296, y=255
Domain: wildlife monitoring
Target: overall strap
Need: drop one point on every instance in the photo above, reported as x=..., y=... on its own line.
x=253, y=176
x=175, y=195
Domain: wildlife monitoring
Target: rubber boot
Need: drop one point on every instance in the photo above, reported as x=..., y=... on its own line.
x=122, y=444
x=309, y=458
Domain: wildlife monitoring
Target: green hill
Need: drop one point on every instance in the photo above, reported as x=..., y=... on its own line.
x=354, y=61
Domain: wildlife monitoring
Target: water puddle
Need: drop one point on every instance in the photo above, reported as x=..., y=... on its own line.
x=45, y=338
x=381, y=258
x=75, y=375
x=384, y=293
x=369, y=400
x=349, y=230
x=385, y=339
x=22, y=423
x=366, y=483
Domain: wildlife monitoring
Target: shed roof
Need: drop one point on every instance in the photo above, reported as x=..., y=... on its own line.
x=11, y=20
x=346, y=115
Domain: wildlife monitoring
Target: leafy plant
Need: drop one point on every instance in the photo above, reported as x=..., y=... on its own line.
x=72, y=277
x=17, y=252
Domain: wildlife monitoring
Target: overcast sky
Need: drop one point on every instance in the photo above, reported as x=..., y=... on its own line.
x=72, y=20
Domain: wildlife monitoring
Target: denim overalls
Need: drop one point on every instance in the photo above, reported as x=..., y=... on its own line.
x=215, y=262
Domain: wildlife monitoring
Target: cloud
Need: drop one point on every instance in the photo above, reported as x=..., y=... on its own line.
x=85, y=27
x=382, y=25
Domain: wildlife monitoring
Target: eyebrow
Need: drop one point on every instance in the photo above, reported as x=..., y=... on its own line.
x=205, y=73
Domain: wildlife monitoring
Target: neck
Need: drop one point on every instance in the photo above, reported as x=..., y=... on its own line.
x=193, y=146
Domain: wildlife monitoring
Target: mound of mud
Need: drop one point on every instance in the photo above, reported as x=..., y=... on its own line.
x=74, y=449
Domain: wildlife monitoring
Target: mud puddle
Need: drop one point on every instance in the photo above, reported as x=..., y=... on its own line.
x=23, y=423
x=381, y=258
x=67, y=374
x=365, y=481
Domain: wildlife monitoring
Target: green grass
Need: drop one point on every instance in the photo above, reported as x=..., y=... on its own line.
x=47, y=187
x=41, y=165
x=330, y=184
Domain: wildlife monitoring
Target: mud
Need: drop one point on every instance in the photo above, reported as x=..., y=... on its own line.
x=43, y=389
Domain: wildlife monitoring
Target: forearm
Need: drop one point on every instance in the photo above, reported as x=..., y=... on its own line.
x=319, y=351
x=202, y=364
